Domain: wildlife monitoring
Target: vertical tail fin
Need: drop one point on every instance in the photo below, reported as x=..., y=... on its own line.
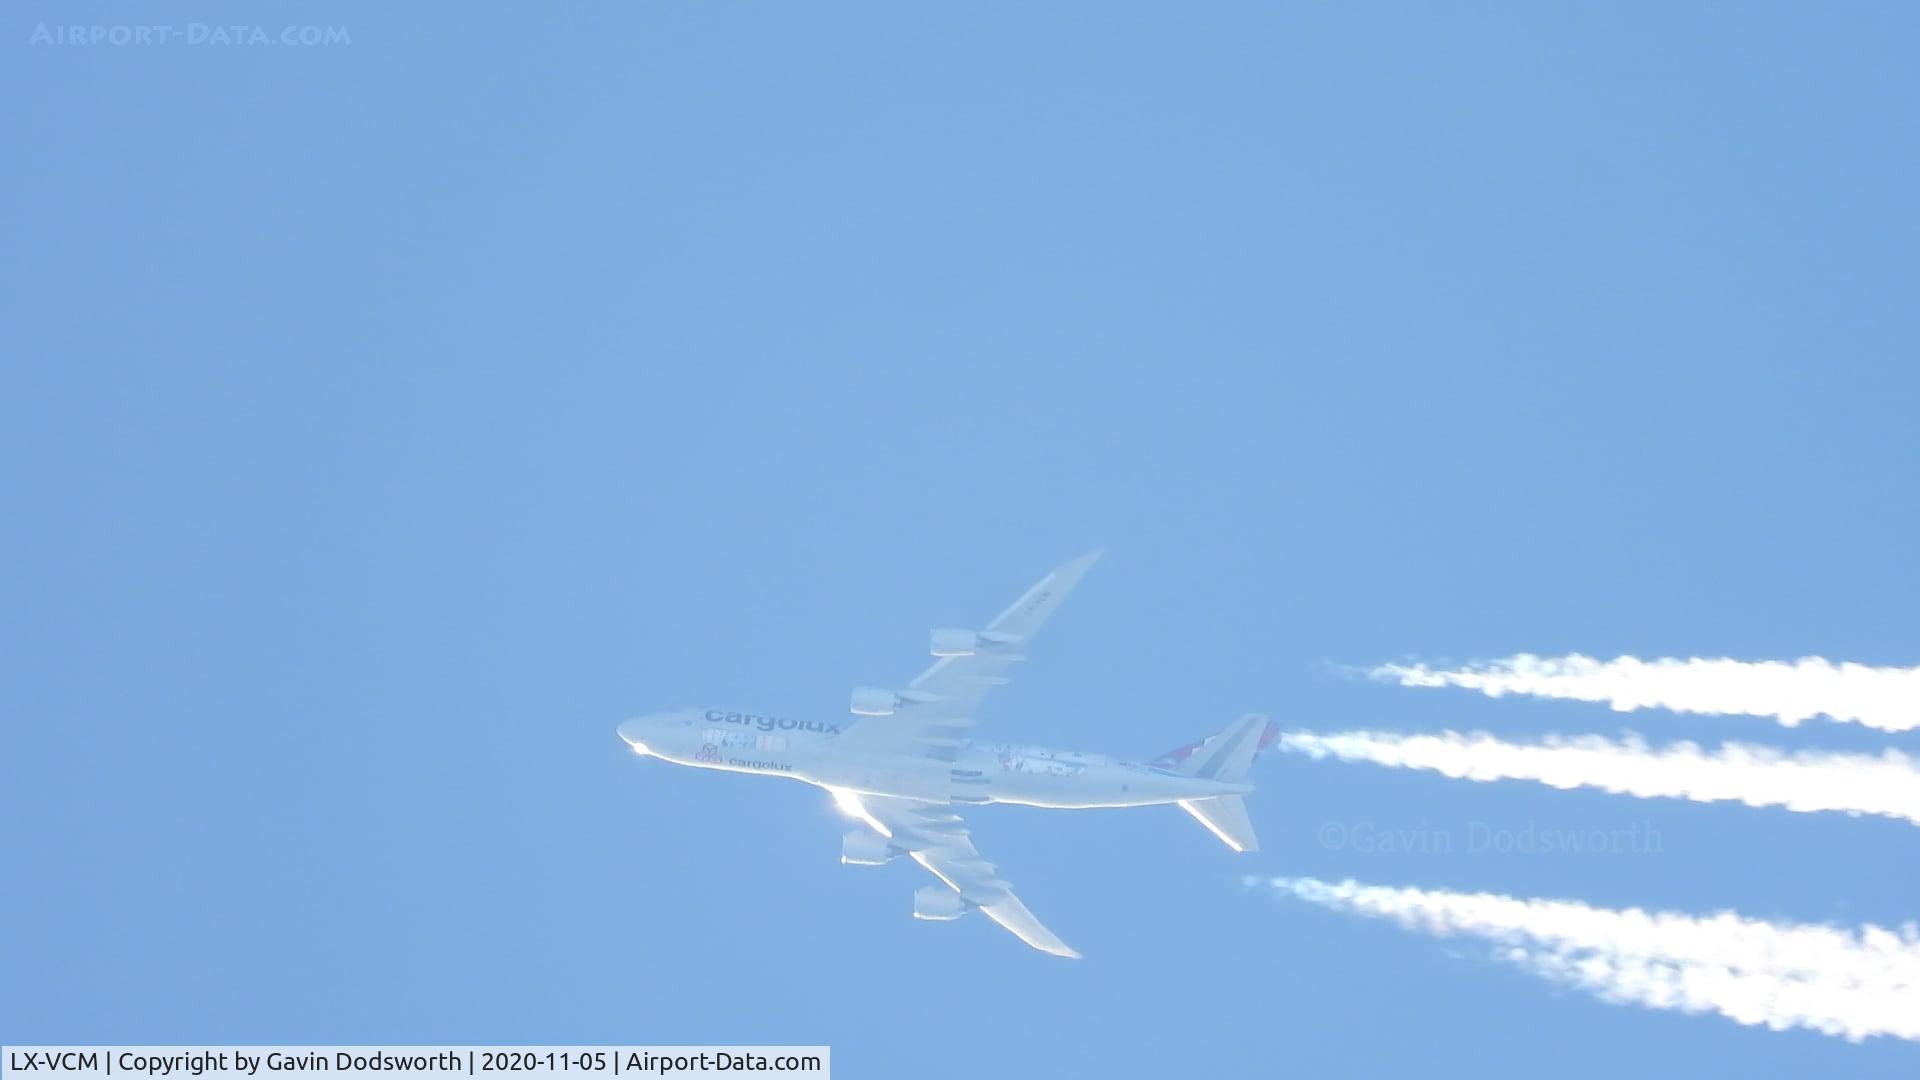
x=1225, y=756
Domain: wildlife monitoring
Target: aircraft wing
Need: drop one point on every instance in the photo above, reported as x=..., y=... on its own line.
x=938, y=840
x=962, y=681
x=929, y=718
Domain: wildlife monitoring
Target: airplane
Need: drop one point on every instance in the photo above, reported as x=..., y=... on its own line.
x=903, y=765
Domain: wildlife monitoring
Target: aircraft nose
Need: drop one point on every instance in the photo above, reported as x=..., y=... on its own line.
x=633, y=732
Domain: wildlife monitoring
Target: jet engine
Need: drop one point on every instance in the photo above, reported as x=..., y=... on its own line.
x=862, y=848
x=954, y=642
x=873, y=701
x=949, y=642
x=937, y=904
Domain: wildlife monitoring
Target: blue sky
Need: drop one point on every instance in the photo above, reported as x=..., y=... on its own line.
x=383, y=423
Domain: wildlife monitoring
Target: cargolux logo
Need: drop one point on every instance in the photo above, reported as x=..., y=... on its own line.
x=770, y=723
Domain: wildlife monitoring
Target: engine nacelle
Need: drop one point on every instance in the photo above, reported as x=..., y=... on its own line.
x=862, y=848
x=950, y=642
x=954, y=643
x=873, y=701
x=937, y=904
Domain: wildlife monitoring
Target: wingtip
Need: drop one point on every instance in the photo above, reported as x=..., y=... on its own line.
x=1081, y=564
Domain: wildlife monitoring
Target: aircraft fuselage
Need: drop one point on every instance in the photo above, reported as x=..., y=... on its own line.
x=981, y=772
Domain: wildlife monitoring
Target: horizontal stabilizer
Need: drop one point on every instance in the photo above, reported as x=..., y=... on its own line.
x=1226, y=818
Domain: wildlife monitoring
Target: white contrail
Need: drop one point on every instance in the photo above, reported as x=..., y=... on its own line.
x=1806, y=780
x=1884, y=698
x=1852, y=983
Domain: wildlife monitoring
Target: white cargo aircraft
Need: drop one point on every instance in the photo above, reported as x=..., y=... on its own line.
x=904, y=765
